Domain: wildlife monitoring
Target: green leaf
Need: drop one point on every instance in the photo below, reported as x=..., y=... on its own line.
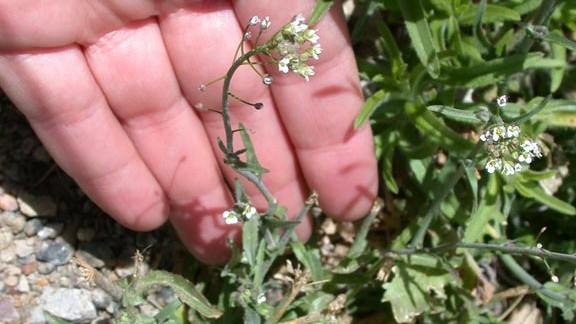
x=421, y=36
x=541, y=32
x=558, y=52
x=388, y=148
x=371, y=104
x=534, y=191
x=492, y=14
x=173, y=313
x=310, y=259
x=488, y=73
x=476, y=225
x=250, y=240
x=183, y=288
x=459, y=115
x=417, y=286
x=251, y=163
x=433, y=127
x=322, y=6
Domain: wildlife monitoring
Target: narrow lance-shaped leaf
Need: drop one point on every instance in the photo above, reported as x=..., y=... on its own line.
x=371, y=104
x=421, y=36
x=459, y=115
x=533, y=190
x=252, y=164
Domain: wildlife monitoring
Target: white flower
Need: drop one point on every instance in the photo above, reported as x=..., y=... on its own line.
x=493, y=165
x=254, y=21
x=498, y=132
x=249, y=212
x=306, y=71
x=261, y=298
x=517, y=167
x=502, y=100
x=267, y=79
x=230, y=217
x=316, y=50
x=508, y=169
x=311, y=36
x=283, y=65
x=297, y=25
x=554, y=279
x=512, y=131
x=265, y=24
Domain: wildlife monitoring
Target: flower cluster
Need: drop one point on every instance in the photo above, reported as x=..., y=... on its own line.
x=240, y=212
x=293, y=46
x=508, y=154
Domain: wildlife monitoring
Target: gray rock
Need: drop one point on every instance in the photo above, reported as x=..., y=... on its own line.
x=8, y=202
x=50, y=231
x=37, y=315
x=101, y=299
x=33, y=226
x=33, y=206
x=23, y=248
x=70, y=304
x=46, y=268
x=57, y=253
x=14, y=221
x=6, y=237
x=8, y=313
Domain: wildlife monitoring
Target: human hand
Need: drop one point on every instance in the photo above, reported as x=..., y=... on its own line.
x=109, y=87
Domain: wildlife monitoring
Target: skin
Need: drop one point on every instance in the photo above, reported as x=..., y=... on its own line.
x=109, y=87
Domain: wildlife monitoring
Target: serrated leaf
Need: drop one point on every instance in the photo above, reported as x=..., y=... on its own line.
x=421, y=36
x=322, y=6
x=417, y=285
x=183, y=288
x=534, y=191
x=371, y=104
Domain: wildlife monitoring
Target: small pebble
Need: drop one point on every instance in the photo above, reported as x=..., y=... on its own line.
x=33, y=226
x=8, y=254
x=23, y=248
x=23, y=285
x=15, y=222
x=57, y=253
x=8, y=202
x=11, y=280
x=101, y=299
x=50, y=231
x=85, y=234
x=6, y=237
x=29, y=267
x=33, y=206
x=46, y=268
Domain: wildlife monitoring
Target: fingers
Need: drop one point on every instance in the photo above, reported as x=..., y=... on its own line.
x=337, y=161
x=56, y=91
x=201, y=41
x=32, y=23
x=135, y=73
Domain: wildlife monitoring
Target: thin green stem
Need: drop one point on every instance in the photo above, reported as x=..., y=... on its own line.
x=506, y=248
x=527, y=279
x=540, y=17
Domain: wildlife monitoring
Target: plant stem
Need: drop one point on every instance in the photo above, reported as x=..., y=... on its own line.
x=527, y=279
x=433, y=209
x=540, y=17
x=506, y=248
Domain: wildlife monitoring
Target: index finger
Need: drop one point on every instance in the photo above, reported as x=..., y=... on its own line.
x=337, y=161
